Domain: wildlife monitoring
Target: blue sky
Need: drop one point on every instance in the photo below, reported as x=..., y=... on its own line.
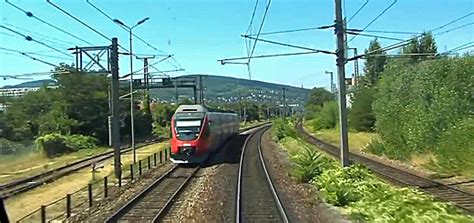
x=200, y=32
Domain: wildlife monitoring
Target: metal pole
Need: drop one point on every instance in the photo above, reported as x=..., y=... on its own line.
x=132, y=124
x=356, y=67
x=342, y=85
x=115, y=108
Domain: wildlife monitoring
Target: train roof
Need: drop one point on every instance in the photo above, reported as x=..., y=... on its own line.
x=199, y=108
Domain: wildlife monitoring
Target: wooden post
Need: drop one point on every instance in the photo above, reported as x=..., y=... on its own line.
x=149, y=162
x=139, y=167
x=89, y=189
x=68, y=205
x=105, y=187
x=131, y=172
x=154, y=159
x=161, y=156
x=43, y=214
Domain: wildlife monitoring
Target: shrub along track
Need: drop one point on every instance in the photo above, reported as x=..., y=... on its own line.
x=461, y=199
x=257, y=199
x=22, y=185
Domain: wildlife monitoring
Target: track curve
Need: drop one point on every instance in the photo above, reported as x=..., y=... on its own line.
x=257, y=200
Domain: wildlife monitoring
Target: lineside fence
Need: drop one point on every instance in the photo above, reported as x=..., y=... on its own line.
x=96, y=191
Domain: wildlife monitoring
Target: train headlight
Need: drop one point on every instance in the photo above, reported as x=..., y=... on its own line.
x=188, y=150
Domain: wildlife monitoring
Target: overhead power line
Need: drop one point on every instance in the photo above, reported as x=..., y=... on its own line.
x=455, y=28
x=252, y=17
x=453, y=21
x=376, y=18
x=357, y=12
x=460, y=47
x=260, y=29
x=78, y=20
x=31, y=57
x=112, y=19
x=31, y=15
x=225, y=61
x=29, y=38
x=151, y=65
x=406, y=42
x=384, y=31
x=34, y=53
x=376, y=36
x=288, y=45
x=44, y=37
x=294, y=30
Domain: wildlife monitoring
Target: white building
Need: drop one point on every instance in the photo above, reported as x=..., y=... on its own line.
x=16, y=92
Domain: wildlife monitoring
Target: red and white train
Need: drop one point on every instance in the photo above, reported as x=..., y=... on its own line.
x=196, y=132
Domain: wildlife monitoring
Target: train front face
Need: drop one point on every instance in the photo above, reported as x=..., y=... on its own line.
x=188, y=143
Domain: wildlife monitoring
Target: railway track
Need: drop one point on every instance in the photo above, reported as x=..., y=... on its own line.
x=22, y=185
x=257, y=200
x=151, y=204
x=461, y=199
x=154, y=202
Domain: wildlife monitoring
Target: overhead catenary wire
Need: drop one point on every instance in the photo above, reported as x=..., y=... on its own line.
x=83, y=23
x=260, y=29
x=288, y=45
x=34, y=53
x=44, y=37
x=224, y=61
x=376, y=36
x=385, y=31
x=460, y=47
x=31, y=15
x=151, y=65
x=112, y=19
x=407, y=41
x=453, y=29
x=357, y=12
x=29, y=56
x=29, y=38
x=376, y=18
x=294, y=30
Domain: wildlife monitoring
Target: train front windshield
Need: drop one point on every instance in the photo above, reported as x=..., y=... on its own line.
x=188, y=125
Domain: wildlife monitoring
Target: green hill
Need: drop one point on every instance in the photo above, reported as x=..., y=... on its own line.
x=228, y=89
x=217, y=89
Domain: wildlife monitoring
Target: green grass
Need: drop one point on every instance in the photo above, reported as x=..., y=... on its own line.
x=22, y=204
x=21, y=165
x=357, y=140
x=360, y=194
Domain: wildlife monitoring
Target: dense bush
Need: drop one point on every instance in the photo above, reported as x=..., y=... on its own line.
x=308, y=164
x=455, y=150
x=416, y=104
x=282, y=128
x=361, y=117
x=78, y=142
x=362, y=195
x=327, y=116
x=55, y=144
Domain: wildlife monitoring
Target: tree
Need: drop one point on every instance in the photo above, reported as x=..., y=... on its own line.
x=361, y=117
x=318, y=96
x=374, y=64
x=423, y=45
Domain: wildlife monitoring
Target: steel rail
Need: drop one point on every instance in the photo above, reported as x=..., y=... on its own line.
x=462, y=199
x=270, y=182
x=257, y=135
x=22, y=185
x=125, y=211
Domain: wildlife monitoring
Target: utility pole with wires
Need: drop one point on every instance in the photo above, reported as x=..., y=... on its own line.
x=115, y=107
x=284, y=103
x=341, y=61
x=356, y=67
x=146, y=81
